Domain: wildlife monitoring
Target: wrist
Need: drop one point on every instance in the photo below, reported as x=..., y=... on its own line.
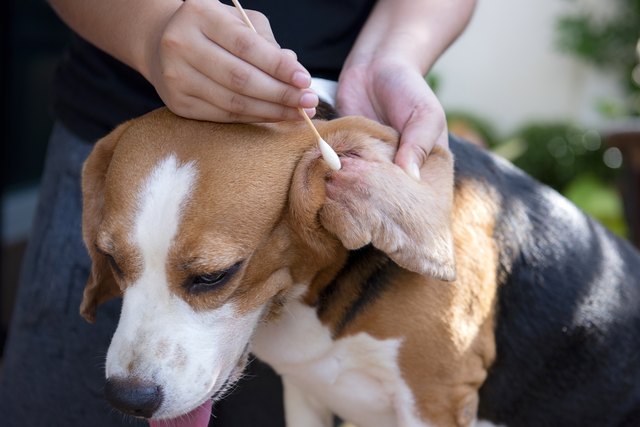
x=364, y=67
x=415, y=32
x=145, y=57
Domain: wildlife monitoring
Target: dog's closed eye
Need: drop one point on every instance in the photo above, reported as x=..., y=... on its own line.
x=210, y=281
x=112, y=261
x=114, y=265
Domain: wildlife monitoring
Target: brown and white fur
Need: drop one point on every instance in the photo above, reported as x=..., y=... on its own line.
x=374, y=296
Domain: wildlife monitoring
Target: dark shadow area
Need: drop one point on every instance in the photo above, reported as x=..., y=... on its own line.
x=33, y=39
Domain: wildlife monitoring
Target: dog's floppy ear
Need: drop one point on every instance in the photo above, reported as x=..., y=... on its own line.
x=101, y=285
x=371, y=200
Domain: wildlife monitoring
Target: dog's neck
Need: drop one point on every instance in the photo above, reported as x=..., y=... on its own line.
x=335, y=282
x=361, y=277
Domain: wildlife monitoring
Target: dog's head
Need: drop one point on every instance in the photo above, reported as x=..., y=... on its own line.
x=205, y=229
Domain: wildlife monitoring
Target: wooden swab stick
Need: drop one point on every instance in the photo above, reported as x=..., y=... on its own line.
x=328, y=154
x=245, y=18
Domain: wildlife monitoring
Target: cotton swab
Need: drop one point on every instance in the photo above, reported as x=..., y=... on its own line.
x=328, y=154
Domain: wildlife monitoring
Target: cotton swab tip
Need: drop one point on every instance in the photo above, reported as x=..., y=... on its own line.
x=329, y=155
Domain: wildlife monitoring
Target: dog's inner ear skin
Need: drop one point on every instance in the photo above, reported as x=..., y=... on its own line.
x=371, y=200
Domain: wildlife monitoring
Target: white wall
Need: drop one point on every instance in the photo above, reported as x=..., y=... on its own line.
x=506, y=68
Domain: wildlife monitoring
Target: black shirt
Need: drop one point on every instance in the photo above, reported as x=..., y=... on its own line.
x=94, y=92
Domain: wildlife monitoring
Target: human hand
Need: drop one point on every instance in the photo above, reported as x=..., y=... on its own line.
x=206, y=64
x=394, y=92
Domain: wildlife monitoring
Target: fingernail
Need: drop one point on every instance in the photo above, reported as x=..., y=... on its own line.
x=310, y=112
x=301, y=79
x=309, y=100
x=414, y=171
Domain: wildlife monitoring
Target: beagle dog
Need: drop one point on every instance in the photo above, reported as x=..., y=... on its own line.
x=476, y=294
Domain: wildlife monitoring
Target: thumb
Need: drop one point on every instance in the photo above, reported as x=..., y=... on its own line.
x=416, y=142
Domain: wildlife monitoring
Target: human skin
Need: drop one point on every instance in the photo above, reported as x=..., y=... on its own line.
x=203, y=60
x=383, y=76
x=206, y=64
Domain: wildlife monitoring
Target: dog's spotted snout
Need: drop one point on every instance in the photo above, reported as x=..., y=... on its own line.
x=133, y=397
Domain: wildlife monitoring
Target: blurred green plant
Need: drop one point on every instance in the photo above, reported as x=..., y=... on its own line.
x=600, y=200
x=569, y=158
x=433, y=80
x=608, y=44
x=557, y=153
x=483, y=128
x=575, y=162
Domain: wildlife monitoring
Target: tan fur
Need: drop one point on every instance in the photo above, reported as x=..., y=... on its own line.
x=214, y=238
x=101, y=285
x=447, y=328
x=263, y=196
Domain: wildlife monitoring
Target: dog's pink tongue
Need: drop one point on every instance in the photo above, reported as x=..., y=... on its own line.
x=199, y=417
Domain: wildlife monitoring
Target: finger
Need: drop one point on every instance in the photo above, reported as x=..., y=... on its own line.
x=232, y=34
x=199, y=109
x=416, y=142
x=258, y=21
x=262, y=26
x=242, y=77
x=237, y=105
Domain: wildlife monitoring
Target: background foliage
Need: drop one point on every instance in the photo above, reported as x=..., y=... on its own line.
x=608, y=44
x=573, y=159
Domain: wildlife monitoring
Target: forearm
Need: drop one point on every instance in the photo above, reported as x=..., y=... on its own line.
x=418, y=31
x=122, y=28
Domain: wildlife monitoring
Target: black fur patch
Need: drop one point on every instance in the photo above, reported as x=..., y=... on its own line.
x=367, y=274
x=325, y=111
x=568, y=313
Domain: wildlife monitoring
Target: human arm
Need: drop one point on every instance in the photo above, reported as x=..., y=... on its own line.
x=199, y=55
x=383, y=76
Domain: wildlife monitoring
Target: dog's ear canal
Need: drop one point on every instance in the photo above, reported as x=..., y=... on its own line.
x=371, y=200
x=101, y=285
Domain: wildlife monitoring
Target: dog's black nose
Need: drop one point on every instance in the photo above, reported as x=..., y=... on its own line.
x=133, y=397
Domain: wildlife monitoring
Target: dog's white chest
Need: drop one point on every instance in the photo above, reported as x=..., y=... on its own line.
x=357, y=377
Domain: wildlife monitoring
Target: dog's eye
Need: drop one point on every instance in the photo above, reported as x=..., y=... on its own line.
x=210, y=281
x=111, y=260
x=114, y=265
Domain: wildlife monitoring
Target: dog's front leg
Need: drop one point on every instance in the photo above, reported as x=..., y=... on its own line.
x=302, y=410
